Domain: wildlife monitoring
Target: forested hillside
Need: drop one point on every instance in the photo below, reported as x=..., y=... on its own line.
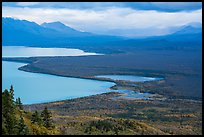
x=17, y=121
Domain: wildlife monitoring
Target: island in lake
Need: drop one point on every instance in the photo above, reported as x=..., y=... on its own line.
x=98, y=78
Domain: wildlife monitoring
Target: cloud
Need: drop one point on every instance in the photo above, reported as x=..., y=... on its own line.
x=27, y=3
x=105, y=19
x=177, y=6
x=158, y=6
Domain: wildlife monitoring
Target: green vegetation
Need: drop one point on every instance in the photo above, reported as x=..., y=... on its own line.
x=101, y=115
x=8, y=112
x=104, y=115
x=36, y=119
x=19, y=104
x=46, y=117
x=16, y=121
x=119, y=127
x=22, y=129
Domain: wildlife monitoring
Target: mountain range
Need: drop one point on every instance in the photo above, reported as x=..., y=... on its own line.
x=60, y=27
x=22, y=32
x=55, y=34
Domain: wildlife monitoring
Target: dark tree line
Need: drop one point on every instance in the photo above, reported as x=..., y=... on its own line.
x=12, y=124
x=45, y=118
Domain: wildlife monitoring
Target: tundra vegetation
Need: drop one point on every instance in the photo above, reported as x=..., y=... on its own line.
x=101, y=115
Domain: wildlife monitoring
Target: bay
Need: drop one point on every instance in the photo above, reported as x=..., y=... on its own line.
x=39, y=88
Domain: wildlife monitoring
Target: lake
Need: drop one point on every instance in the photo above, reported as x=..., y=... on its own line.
x=129, y=78
x=39, y=88
x=128, y=94
x=21, y=51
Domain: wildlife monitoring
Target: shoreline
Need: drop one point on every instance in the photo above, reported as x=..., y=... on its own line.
x=157, y=114
x=112, y=88
x=157, y=87
x=171, y=113
x=81, y=77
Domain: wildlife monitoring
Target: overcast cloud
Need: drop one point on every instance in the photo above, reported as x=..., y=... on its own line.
x=109, y=17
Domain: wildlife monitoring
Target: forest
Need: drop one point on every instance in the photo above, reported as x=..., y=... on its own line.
x=17, y=121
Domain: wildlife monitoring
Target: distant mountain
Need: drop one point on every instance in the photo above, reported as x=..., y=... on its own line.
x=58, y=26
x=189, y=30
x=195, y=24
x=55, y=34
x=26, y=33
x=188, y=37
x=148, y=32
x=139, y=32
x=187, y=33
x=17, y=32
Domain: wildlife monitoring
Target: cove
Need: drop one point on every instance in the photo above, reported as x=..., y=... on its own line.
x=39, y=88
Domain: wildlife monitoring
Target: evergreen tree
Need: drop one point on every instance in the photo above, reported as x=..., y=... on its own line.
x=12, y=92
x=22, y=129
x=36, y=119
x=4, y=130
x=8, y=111
x=19, y=103
x=46, y=117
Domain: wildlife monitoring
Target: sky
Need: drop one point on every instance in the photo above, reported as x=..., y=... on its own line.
x=128, y=18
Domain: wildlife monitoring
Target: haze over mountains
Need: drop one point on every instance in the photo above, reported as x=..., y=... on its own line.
x=152, y=31
x=25, y=33
x=60, y=27
x=22, y=32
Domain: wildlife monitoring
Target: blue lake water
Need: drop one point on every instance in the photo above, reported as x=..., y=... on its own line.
x=129, y=78
x=38, y=88
x=21, y=51
x=128, y=94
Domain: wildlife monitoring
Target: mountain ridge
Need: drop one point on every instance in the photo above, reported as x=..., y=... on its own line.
x=55, y=34
x=22, y=32
x=58, y=26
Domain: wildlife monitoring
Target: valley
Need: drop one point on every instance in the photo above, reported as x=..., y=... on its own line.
x=175, y=108
x=102, y=68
